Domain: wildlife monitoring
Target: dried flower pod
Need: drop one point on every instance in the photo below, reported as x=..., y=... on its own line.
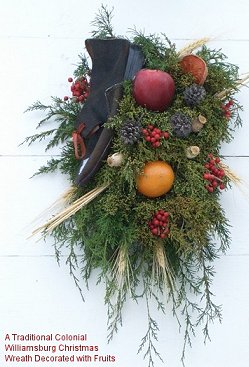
x=198, y=123
x=115, y=160
x=192, y=152
x=181, y=124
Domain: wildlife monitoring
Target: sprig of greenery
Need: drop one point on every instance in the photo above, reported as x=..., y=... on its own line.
x=51, y=166
x=82, y=68
x=102, y=23
x=150, y=337
x=38, y=137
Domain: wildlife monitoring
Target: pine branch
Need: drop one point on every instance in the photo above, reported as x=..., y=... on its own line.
x=116, y=291
x=61, y=135
x=211, y=311
x=114, y=313
x=64, y=235
x=64, y=114
x=41, y=136
x=82, y=67
x=150, y=337
x=102, y=23
x=73, y=266
x=36, y=106
x=188, y=284
x=51, y=166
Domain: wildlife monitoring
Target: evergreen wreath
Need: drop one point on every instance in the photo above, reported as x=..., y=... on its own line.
x=150, y=232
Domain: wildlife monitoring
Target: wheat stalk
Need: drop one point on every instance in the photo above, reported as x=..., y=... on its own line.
x=230, y=174
x=162, y=267
x=120, y=263
x=242, y=81
x=63, y=200
x=68, y=212
x=189, y=48
x=241, y=184
x=68, y=194
x=121, y=269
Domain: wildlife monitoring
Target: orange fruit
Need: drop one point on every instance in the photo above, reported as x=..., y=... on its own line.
x=196, y=66
x=156, y=180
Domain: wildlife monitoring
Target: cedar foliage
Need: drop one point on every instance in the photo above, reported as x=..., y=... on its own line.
x=119, y=229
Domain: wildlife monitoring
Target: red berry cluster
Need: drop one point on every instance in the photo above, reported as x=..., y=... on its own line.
x=214, y=174
x=154, y=135
x=226, y=109
x=79, y=89
x=159, y=224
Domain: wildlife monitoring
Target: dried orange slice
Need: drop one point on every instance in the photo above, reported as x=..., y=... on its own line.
x=196, y=66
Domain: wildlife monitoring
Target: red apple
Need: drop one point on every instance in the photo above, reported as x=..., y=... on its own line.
x=153, y=89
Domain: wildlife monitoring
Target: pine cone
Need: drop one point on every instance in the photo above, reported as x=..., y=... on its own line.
x=130, y=132
x=194, y=94
x=181, y=124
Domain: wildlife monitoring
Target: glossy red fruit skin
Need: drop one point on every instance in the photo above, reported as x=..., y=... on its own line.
x=153, y=89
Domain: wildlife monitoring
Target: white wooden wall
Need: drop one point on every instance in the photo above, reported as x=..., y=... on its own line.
x=39, y=44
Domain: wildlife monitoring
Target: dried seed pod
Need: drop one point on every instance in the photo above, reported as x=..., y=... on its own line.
x=115, y=160
x=192, y=152
x=181, y=124
x=198, y=123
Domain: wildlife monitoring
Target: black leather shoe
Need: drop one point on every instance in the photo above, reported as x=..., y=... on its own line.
x=109, y=60
x=91, y=164
x=112, y=64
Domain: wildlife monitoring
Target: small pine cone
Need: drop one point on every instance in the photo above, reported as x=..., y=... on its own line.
x=181, y=124
x=194, y=94
x=130, y=132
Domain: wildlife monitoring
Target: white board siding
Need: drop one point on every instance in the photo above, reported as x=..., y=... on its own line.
x=39, y=44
